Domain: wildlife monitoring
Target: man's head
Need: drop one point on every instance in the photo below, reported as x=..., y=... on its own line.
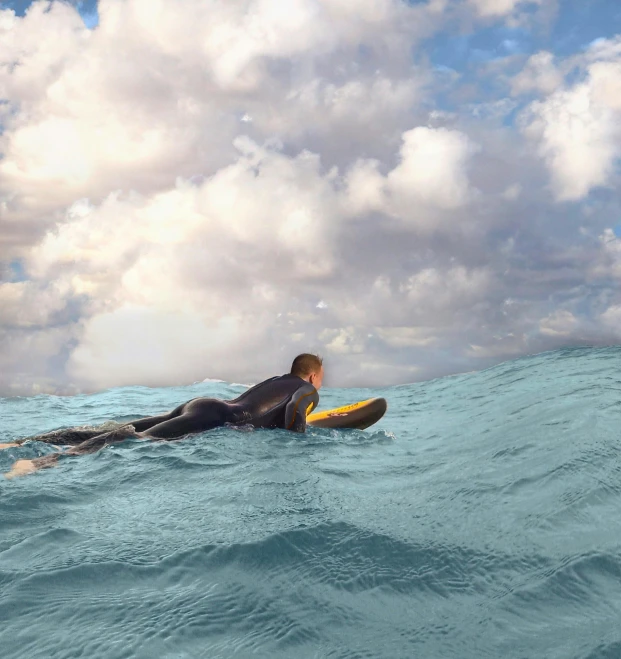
x=309, y=368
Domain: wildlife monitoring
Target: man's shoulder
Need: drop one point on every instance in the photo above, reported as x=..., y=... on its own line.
x=293, y=384
x=298, y=384
x=287, y=378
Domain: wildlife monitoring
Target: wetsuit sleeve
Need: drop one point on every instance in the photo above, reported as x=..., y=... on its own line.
x=303, y=402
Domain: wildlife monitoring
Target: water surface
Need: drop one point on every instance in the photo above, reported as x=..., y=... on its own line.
x=480, y=518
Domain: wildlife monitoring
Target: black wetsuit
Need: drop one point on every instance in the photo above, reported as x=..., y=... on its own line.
x=280, y=402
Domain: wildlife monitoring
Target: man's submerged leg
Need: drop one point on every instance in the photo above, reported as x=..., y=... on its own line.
x=77, y=436
x=23, y=467
x=197, y=416
x=60, y=437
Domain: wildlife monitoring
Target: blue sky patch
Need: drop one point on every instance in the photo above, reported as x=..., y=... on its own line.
x=86, y=8
x=17, y=272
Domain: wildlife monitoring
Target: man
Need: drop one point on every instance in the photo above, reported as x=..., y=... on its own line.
x=281, y=402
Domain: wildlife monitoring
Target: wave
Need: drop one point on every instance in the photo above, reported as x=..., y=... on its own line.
x=477, y=519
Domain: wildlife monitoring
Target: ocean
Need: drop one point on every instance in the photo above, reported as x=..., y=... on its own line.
x=481, y=517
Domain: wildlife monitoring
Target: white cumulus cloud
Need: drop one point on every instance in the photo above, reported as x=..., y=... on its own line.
x=204, y=189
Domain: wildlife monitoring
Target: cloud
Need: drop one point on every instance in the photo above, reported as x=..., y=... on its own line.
x=133, y=344
x=432, y=168
x=540, y=74
x=576, y=127
x=207, y=189
x=255, y=235
x=559, y=323
x=496, y=7
x=431, y=174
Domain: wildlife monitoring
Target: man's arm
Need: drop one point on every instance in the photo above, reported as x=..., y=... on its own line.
x=302, y=403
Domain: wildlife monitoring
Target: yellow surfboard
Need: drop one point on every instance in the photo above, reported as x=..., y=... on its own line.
x=357, y=415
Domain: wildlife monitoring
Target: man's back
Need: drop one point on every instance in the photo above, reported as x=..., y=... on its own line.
x=280, y=402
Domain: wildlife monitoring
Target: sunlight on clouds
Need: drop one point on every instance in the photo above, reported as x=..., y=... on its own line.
x=405, y=337
x=576, y=138
x=500, y=7
x=203, y=189
x=132, y=344
x=559, y=323
x=577, y=132
x=344, y=341
x=539, y=74
x=432, y=168
x=431, y=173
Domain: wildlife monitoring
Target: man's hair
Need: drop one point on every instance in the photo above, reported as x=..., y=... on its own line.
x=305, y=364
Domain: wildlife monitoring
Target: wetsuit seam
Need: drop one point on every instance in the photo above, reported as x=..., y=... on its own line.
x=295, y=409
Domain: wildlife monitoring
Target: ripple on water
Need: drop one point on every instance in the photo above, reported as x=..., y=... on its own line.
x=478, y=519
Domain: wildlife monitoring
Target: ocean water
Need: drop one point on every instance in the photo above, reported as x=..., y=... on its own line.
x=480, y=518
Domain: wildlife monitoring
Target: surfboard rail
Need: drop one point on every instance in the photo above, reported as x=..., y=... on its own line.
x=358, y=415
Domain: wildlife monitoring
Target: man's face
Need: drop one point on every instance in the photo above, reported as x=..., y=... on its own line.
x=316, y=379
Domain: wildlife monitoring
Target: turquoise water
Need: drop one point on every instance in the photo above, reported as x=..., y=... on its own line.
x=480, y=518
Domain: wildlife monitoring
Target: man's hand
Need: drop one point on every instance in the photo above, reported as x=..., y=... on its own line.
x=11, y=445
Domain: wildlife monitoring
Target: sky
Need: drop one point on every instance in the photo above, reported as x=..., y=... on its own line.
x=204, y=189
